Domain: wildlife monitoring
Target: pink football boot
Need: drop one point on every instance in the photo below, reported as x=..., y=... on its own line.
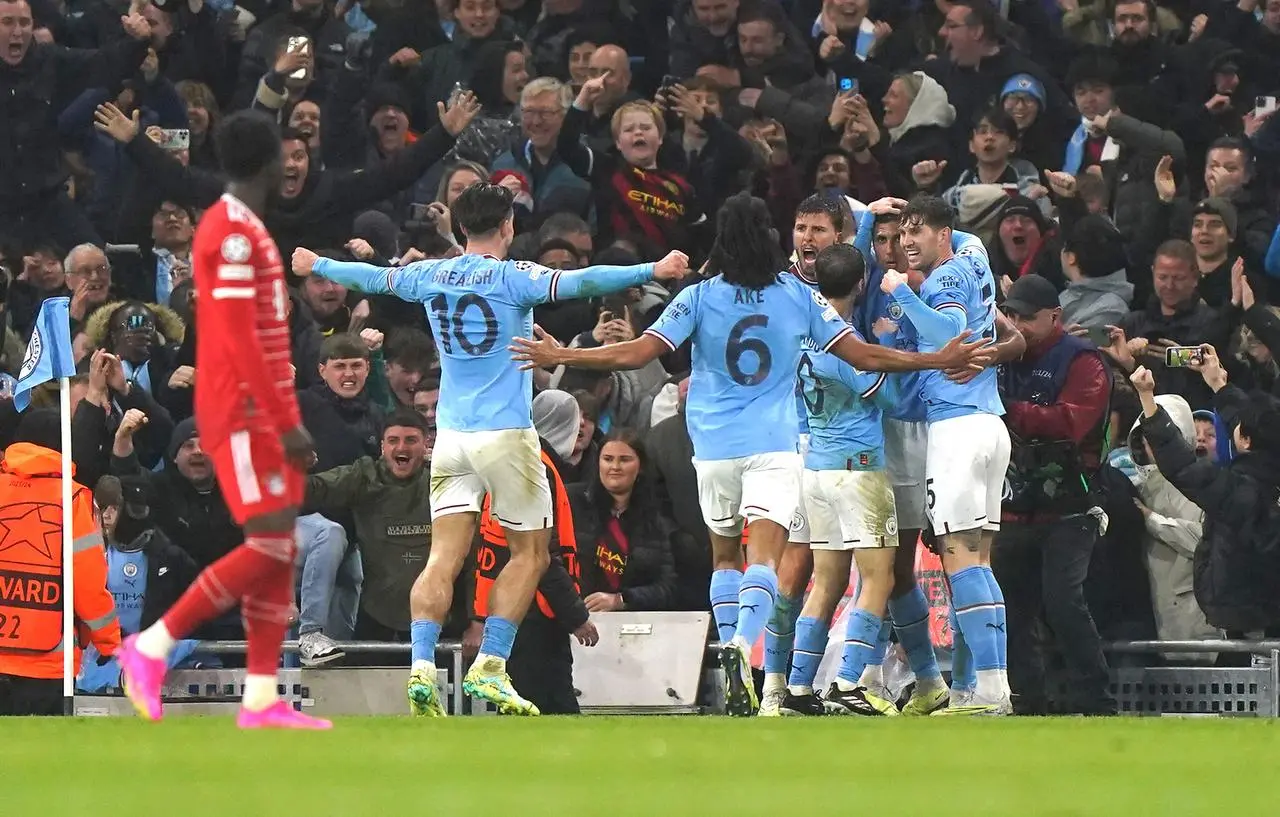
x=142, y=678
x=280, y=715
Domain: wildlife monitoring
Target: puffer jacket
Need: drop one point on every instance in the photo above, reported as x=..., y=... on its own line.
x=1237, y=565
x=1174, y=529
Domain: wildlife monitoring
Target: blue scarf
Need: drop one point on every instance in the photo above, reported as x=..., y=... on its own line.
x=140, y=375
x=1075, y=150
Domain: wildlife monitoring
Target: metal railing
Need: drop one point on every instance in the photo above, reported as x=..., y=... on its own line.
x=1140, y=690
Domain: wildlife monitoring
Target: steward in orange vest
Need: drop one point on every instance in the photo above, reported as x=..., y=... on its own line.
x=541, y=662
x=31, y=573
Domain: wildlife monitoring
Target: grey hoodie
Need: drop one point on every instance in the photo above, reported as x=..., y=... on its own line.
x=1096, y=302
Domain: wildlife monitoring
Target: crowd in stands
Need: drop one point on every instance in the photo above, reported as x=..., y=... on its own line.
x=1124, y=150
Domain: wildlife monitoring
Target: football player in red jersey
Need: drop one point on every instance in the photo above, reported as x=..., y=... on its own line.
x=247, y=417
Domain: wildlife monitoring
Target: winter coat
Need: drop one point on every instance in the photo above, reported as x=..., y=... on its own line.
x=648, y=580
x=1237, y=565
x=345, y=429
x=1174, y=529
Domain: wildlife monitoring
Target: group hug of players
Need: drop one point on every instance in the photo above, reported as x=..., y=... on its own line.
x=873, y=442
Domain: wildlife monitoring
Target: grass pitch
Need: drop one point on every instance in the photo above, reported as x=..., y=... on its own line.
x=650, y=766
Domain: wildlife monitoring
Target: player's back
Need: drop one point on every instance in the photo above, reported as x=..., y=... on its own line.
x=746, y=348
x=845, y=429
x=964, y=281
x=475, y=305
x=234, y=259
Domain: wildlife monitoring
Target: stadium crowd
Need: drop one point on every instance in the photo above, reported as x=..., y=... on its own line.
x=1118, y=158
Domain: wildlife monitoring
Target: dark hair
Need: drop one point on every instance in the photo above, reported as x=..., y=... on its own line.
x=1260, y=422
x=630, y=438
x=1092, y=67
x=406, y=419
x=42, y=427
x=1234, y=143
x=288, y=134
x=482, y=208
x=1097, y=246
x=558, y=244
x=746, y=248
x=616, y=256
x=1149, y=5
x=819, y=204
x=982, y=13
x=642, y=491
x=999, y=119
x=764, y=12
x=931, y=211
x=596, y=33
x=839, y=269
x=489, y=66
x=108, y=493
x=343, y=346
x=1178, y=249
x=588, y=404
x=410, y=348
x=247, y=143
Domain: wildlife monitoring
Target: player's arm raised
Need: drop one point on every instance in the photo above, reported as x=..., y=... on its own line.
x=543, y=351
x=353, y=275
x=546, y=285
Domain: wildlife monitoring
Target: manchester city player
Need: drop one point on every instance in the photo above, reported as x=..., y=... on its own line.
x=968, y=445
x=850, y=506
x=486, y=442
x=747, y=324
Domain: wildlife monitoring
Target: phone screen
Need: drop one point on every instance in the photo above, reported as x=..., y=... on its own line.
x=1099, y=336
x=299, y=45
x=1176, y=357
x=848, y=85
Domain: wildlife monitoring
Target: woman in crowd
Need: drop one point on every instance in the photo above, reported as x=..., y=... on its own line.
x=624, y=538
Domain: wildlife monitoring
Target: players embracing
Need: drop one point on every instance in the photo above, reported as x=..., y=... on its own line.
x=747, y=322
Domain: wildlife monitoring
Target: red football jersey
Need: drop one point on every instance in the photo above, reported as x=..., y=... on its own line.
x=244, y=376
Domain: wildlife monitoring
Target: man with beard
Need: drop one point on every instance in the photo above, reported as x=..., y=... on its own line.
x=1146, y=63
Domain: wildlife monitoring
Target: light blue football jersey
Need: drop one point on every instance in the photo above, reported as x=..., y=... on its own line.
x=475, y=305
x=746, y=348
x=962, y=284
x=845, y=430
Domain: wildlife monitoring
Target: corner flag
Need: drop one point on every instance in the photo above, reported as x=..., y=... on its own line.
x=49, y=353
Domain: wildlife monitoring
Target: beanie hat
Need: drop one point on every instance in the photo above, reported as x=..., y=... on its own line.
x=181, y=433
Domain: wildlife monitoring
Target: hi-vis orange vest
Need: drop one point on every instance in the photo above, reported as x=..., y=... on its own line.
x=31, y=567
x=493, y=554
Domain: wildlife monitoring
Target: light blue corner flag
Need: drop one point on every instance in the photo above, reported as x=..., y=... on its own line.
x=49, y=352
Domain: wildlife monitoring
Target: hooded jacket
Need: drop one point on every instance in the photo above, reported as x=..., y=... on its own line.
x=1095, y=302
x=1237, y=565
x=1174, y=529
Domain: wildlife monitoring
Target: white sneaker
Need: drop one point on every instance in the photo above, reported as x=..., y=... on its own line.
x=317, y=649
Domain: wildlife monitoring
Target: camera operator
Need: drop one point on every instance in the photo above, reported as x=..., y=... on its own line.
x=1237, y=566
